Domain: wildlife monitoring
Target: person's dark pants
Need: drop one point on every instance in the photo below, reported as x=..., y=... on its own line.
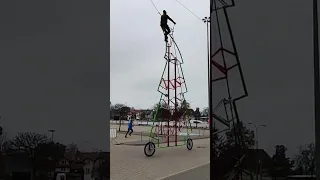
x=129, y=130
x=166, y=31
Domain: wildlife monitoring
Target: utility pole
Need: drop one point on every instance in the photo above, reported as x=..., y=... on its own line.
x=316, y=80
x=257, y=146
x=257, y=132
x=206, y=20
x=210, y=117
x=52, y=132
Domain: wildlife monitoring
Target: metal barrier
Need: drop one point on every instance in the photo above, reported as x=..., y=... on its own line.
x=113, y=135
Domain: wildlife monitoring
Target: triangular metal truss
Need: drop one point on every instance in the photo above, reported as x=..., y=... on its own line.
x=172, y=87
x=224, y=65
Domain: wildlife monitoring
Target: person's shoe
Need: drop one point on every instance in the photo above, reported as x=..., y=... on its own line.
x=125, y=136
x=130, y=134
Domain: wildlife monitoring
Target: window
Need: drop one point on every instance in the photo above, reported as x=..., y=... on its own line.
x=63, y=169
x=87, y=171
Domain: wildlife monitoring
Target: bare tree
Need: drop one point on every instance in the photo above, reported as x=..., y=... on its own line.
x=28, y=143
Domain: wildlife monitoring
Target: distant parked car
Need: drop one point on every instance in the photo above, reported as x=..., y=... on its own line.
x=199, y=123
x=195, y=121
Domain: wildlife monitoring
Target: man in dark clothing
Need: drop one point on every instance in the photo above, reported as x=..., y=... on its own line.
x=164, y=25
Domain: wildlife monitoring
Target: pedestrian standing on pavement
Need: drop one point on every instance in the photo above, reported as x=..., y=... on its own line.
x=130, y=130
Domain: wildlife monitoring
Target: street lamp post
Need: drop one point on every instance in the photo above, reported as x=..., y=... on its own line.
x=206, y=20
x=316, y=78
x=257, y=132
x=257, y=146
x=52, y=132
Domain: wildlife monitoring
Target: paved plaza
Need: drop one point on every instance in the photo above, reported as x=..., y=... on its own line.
x=129, y=162
x=198, y=173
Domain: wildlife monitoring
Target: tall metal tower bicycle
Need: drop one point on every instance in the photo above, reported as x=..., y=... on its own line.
x=170, y=123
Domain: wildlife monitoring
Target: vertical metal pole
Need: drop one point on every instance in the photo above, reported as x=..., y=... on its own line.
x=257, y=146
x=257, y=138
x=168, y=128
x=175, y=101
x=316, y=82
x=208, y=51
x=210, y=101
x=206, y=20
x=52, y=131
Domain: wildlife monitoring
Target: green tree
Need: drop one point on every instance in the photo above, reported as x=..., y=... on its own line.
x=120, y=109
x=240, y=130
x=183, y=110
x=115, y=109
x=189, y=113
x=184, y=105
x=124, y=111
x=143, y=115
x=218, y=143
x=161, y=104
x=205, y=112
x=161, y=111
x=163, y=114
x=305, y=160
x=197, y=114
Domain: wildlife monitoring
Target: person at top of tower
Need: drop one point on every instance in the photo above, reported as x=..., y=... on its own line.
x=164, y=25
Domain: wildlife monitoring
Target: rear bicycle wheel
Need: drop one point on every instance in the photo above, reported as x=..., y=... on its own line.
x=149, y=149
x=189, y=144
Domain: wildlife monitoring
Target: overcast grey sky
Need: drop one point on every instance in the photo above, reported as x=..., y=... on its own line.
x=274, y=40
x=137, y=50
x=54, y=70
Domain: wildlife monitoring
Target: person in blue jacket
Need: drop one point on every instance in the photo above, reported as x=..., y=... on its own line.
x=130, y=130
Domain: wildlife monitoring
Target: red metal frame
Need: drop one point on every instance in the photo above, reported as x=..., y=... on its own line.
x=172, y=87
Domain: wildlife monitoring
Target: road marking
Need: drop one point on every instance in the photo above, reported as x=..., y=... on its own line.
x=183, y=171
